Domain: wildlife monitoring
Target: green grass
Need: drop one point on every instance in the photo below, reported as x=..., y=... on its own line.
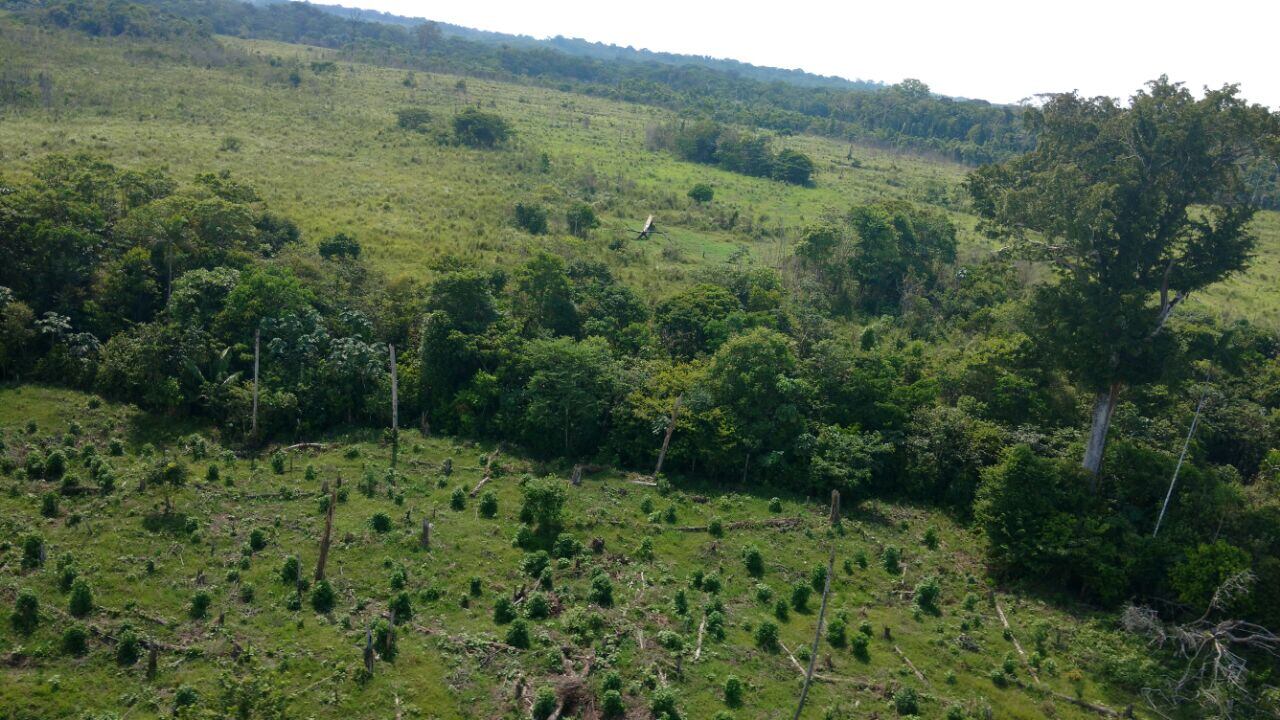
x=328, y=155
x=447, y=667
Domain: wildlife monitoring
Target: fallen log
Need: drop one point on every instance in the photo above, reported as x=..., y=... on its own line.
x=1016, y=645
x=702, y=630
x=919, y=675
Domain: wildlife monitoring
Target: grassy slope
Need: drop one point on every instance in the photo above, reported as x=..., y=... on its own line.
x=443, y=670
x=327, y=155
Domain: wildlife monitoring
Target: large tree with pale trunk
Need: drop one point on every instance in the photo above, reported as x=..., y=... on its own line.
x=1134, y=207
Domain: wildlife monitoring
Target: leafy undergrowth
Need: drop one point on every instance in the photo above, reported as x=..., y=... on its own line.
x=260, y=645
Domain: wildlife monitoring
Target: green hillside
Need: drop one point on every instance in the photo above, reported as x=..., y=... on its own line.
x=222, y=255
x=329, y=155
x=452, y=662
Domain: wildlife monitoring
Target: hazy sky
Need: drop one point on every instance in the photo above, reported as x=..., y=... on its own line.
x=993, y=49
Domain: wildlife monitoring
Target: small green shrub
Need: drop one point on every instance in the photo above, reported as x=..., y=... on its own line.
x=837, y=633
x=75, y=640
x=611, y=704
x=537, y=607
x=49, y=505
x=818, y=578
x=782, y=610
x=664, y=703
x=927, y=593
x=601, y=590
x=931, y=537
x=200, y=603
x=26, y=612
x=81, y=602
x=766, y=636
x=488, y=504
x=891, y=560
x=800, y=597
x=503, y=611
x=906, y=701
x=290, y=571
x=859, y=644
x=754, y=560
x=701, y=193
x=733, y=691
x=518, y=634
x=544, y=703
x=128, y=647
x=323, y=597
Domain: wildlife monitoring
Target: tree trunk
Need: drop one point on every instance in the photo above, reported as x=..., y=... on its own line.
x=256, y=336
x=328, y=533
x=1104, y=405
x=666, y=439
x=395, y=408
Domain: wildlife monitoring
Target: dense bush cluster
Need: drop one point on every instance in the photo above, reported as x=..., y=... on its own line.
x=712, y=143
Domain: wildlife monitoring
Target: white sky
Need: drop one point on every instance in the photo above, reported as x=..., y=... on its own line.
x=998, y=50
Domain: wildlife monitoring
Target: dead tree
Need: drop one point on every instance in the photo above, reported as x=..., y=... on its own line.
x=1216, y=672
x=822, y=611
x=575, y=479
x=488, y=470
x=666, y=439
x=328, y=536
x=425, y=540
x=1181, y=457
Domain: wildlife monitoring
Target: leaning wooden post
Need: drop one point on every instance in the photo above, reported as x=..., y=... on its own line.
x=822, y=611
x=395, y=408
x=328, y=534
x=666, y=439
x=257, y=336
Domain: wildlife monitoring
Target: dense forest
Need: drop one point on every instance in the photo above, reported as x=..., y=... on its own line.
x=1110, y=447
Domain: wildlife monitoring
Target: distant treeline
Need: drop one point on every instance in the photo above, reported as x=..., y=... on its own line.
x=905, y=115
x=601, y=51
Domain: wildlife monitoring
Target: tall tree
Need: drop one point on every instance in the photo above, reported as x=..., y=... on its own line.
x=1134, y=207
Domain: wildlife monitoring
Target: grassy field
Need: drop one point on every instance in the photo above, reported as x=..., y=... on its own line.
x=452, y=662
x=327, y=153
